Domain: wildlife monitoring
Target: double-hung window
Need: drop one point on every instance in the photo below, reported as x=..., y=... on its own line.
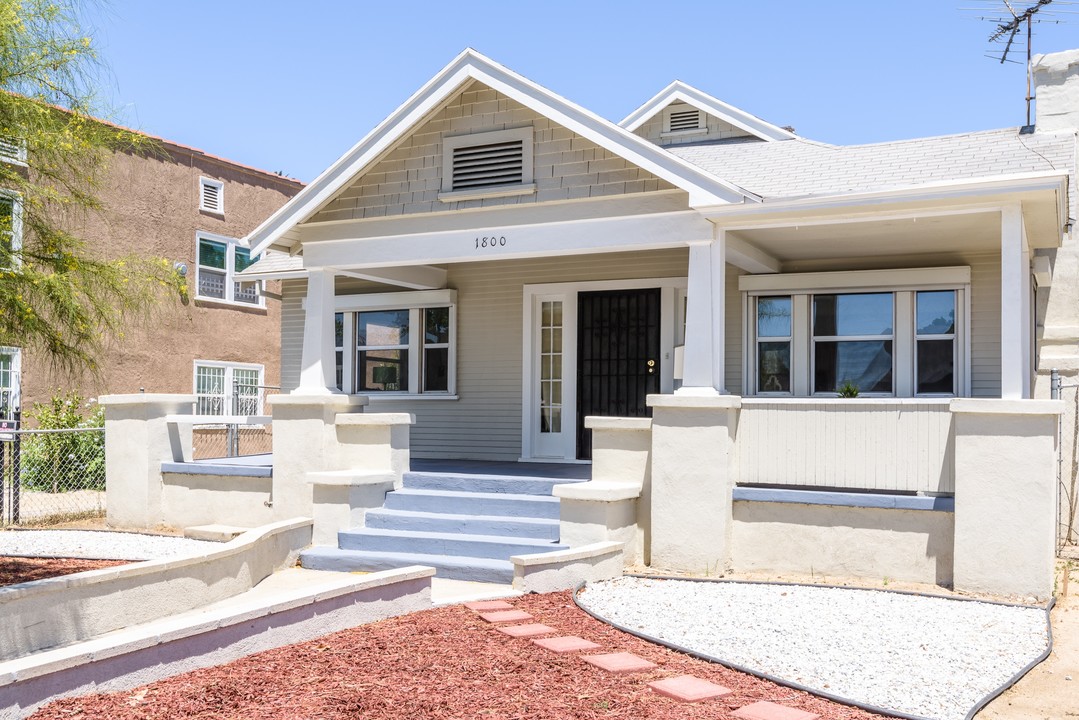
x=223, y=388
x=886, y=333
x=219, y=261
x=10, y=228
x=9, y=382
x=404, y=343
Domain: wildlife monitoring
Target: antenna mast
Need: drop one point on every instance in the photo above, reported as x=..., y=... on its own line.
x=1011, y=28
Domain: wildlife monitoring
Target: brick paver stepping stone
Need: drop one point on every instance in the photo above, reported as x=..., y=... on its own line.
x=772, y=711
x=565, y=644
x=527, y=630
x=688, y=688
x=482, y=605
x=505, y=616
x=622, y=662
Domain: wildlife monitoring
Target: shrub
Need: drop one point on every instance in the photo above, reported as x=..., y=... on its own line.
x=65, y=461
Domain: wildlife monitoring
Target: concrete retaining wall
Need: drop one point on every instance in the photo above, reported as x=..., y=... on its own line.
x=62, y=610
x=235, y=499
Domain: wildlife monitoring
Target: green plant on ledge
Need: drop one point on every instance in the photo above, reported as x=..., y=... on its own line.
x=848, y=390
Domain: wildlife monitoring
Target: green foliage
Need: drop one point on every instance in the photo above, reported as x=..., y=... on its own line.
x=848, y=390
x=54, y=295
x=65, y=461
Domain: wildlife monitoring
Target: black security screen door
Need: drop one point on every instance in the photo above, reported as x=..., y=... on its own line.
x=617, y=356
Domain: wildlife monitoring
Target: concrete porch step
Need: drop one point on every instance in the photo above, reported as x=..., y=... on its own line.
x=480, y=483
x=473, y=503
x=446, y=566
x=520, y=527
x=434, y=543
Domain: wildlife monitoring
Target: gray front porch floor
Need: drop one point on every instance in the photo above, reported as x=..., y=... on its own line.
x=567, y=471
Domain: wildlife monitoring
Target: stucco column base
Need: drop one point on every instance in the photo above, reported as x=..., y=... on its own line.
x=693, y=476
x=304, y=440
x=137, y=441
x=1005, y=495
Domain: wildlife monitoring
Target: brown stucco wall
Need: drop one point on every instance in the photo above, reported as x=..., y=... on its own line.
x=152, y=208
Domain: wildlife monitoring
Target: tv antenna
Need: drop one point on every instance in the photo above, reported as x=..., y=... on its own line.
x=1010, y=21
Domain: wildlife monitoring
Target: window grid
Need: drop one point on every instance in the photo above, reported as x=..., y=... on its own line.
x=227, y=389
x=550, y=356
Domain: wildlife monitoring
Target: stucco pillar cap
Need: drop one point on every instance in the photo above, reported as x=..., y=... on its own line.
x=994, y=406
x=694, y=402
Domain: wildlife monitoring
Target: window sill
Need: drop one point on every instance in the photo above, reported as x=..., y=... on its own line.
x=229, y=303
x=483, y=193
x=683, y=133
x=374, y=397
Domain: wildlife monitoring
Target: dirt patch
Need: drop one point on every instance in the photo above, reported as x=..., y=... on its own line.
x=442, y=663
x=15, y=570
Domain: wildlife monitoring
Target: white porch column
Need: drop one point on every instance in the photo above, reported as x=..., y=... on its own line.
x=718, y=258
x=704, y=320
x=1015, y=306
x=318, y=375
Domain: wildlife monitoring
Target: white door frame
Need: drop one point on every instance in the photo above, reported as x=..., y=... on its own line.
x=672, y=289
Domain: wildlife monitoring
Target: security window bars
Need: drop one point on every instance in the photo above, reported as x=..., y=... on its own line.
x=220, y=259
x=12, y=149
x=223, y=388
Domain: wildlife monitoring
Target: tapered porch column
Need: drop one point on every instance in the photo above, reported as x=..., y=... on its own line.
x=703, y=368
x=318, y=372
x=1015, y=306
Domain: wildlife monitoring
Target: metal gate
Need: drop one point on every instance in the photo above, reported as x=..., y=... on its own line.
x=51, y=476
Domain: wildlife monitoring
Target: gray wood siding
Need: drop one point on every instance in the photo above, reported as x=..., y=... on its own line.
x=408, y=179
x=718, y=129
x=984, y=325
x=292, y=294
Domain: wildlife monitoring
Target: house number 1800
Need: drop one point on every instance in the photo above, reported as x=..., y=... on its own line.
x=490, y=242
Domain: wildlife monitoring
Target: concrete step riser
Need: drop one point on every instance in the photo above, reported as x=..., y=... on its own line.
x=481, y=483
x=450, y=568
x=462, y=546
x=463, y=505
x=464, y=524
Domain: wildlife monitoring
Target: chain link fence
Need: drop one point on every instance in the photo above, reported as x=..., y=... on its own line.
x=51, y=476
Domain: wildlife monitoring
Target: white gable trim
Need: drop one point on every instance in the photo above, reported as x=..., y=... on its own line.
x=679, y=91
x=703, y=187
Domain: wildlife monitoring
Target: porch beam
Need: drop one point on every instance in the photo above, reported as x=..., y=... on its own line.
x=749, y=257
x=558, y=239
x=1015, y=307
x=318, y=374
x=414, y=277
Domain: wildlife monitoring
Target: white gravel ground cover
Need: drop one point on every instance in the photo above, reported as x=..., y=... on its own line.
x=927, y=657
x=99, y=545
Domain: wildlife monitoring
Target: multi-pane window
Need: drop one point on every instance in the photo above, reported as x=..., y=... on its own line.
x=227, y=388
x=550, y=366
x=397, y=349
x=219, y=261
x=853, y=335
x=774, y=344
x=934, y=342
x=10, y=227
x=382, y=350
x=9, y=382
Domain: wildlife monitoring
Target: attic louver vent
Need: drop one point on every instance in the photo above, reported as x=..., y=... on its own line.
x=480, y=166
x=12, y=148
x=685, y=120
x=211, y=196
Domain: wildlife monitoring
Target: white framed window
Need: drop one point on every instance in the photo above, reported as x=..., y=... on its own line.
x=211, y=195
x=218, y=260
x=10, y=225
x=10, y=361
x=12, y=150
x=489, y=164
x=902, y=333
x=227, y=388
x=683, y=119
x=403, y=343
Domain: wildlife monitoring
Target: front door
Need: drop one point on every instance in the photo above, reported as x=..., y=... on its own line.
x=618, y=355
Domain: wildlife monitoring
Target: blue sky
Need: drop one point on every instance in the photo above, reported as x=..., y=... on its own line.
x=289, y=86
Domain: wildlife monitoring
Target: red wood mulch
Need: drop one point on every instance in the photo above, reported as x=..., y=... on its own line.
x=440, y=663
x=18, y=569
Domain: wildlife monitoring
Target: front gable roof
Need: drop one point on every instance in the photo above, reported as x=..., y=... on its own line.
x=703, y=187
x=678, y=91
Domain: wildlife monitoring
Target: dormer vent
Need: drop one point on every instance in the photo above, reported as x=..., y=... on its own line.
x=685, y=120
x=489, y=165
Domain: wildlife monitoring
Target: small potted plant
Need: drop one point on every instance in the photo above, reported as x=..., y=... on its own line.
x=848, y=390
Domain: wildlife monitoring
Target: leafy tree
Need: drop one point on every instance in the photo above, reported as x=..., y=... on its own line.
x=55, y=296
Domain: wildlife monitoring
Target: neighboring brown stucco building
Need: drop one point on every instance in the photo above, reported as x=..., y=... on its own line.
x=191, y=208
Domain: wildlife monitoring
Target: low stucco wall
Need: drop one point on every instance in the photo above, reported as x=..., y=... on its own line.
x=908, y=545
x=203, y=499
x=56, y=611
